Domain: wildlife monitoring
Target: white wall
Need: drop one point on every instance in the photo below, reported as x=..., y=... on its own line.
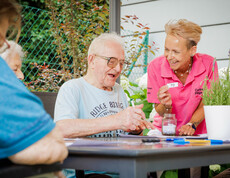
x=212, y=15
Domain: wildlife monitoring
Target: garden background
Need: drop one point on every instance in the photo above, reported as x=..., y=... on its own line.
x=56, y=35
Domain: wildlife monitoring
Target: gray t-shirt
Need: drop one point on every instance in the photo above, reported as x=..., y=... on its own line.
x=79, y=99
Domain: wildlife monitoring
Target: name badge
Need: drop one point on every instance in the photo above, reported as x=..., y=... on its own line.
x=173, y=85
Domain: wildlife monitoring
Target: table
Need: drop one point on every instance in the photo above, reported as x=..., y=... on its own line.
x=131, y=158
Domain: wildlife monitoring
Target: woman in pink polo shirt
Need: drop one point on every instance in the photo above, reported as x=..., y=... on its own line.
x=186, y=69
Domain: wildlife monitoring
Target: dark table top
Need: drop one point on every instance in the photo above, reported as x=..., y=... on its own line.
x=134, y=147
x=135, y=159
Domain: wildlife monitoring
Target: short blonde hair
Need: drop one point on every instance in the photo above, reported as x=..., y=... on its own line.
x=102, y=39
x=11, y=9
x=185, y=29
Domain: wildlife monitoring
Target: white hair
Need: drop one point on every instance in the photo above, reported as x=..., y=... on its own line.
x=14, y=49
x=102, y=39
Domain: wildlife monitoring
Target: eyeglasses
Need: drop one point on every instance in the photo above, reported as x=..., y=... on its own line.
x=4, y=47
x=113, y=61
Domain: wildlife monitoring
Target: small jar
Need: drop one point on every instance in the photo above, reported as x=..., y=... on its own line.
x=169, y=124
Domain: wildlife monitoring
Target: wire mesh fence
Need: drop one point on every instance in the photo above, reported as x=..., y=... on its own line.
x=41, y=65
x=139, y=67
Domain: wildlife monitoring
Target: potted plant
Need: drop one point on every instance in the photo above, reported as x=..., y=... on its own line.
x=216, y=99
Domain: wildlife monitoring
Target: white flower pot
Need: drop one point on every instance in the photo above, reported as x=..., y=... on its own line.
x=218, y=122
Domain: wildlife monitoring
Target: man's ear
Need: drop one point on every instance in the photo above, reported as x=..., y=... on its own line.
x=193, y=50
x=91, y=61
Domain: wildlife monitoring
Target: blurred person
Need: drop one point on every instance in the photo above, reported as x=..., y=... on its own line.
x=187, y=69
x=27, y=133
x=95, y=105
x=14, y=56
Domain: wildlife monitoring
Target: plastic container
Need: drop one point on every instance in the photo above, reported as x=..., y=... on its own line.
x=169, y=124
x=217, y=120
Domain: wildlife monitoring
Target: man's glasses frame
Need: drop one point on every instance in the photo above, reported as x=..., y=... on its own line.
x=113, y=61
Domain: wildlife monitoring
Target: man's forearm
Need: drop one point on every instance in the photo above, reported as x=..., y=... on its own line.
x=72, y=128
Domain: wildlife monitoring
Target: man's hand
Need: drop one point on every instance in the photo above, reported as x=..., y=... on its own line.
x=132, y=119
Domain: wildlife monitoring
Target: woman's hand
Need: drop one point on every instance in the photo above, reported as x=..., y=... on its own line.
x=164, y=96
x=197, y=118
x=186, y=130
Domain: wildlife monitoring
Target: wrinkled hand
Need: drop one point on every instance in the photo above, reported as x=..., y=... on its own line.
x=133, y=119
x=144, y=124
x=164, y=96
x=186, y=130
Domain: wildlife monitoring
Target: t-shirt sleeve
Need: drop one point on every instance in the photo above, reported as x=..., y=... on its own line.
x=66, y=106
x=23, y=120
x=152, y=84
x=124, y=98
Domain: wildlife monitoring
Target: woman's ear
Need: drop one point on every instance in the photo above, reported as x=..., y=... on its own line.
x=193, y=51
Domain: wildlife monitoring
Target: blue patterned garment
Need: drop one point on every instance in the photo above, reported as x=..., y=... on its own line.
x=23, y=120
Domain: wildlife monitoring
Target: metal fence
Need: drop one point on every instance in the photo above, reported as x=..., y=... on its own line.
x=139, y=67
x=41, y=66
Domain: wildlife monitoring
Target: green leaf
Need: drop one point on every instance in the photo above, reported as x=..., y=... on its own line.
x=135, y=97
x=133, y=84
x=127, y=93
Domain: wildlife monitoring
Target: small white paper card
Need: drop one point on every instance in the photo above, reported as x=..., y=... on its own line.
x=173, y=85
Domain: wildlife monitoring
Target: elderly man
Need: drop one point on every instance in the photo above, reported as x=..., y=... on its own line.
x=95, y=104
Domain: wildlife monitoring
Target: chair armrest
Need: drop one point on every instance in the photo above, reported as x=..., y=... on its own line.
x=9, y=169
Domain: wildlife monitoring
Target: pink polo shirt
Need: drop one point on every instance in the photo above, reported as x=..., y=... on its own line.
x=185, y=98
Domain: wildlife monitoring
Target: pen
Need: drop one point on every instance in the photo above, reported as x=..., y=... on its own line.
x=192, y=141
x=198, y=141
x=133, y=105
x=219, y=142
x=132, y=102
x=150, y=140
x=172, y=139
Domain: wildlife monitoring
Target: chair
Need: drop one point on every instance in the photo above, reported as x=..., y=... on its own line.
x=48, y=99
x=11, y=170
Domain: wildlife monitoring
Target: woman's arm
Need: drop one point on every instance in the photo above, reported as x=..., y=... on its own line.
x=197, y=118
x=48, y=150
x=162, y=109
x=165, y=105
